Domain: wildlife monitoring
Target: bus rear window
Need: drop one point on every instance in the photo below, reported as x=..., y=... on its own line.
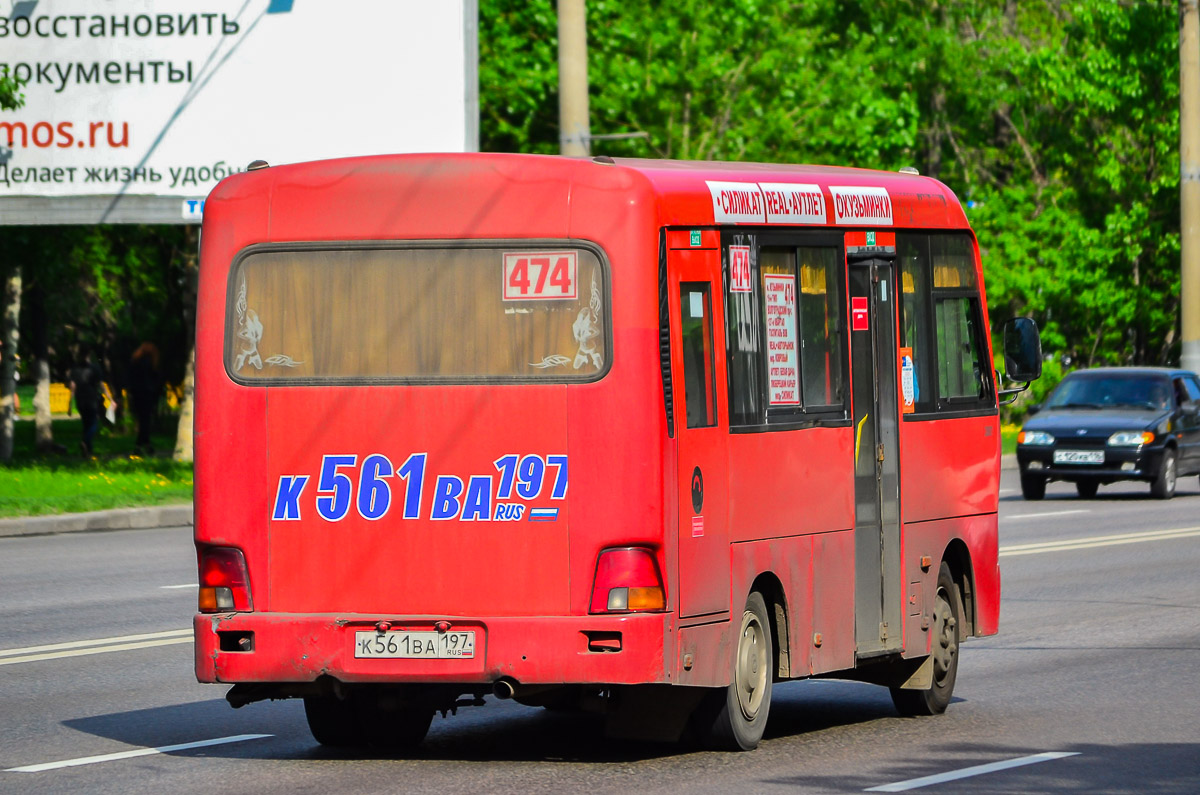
x=510, y=312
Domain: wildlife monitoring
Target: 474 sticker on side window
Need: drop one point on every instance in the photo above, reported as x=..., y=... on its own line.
x=541, y=275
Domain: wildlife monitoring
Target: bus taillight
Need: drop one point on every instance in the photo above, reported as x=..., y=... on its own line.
x=627, y=580
x=224, y=585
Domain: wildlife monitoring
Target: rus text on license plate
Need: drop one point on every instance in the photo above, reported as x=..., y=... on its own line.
x=1079, y=456
x=420, y=645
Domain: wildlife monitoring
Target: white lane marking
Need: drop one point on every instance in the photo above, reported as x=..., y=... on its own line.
x=76, y=644
x=80, y=648
x=1098, y=541
x=185, y=585
x=1008, y=491
x=96, y=650
x=967, y=772
x=165, y=749
x=1048, y=513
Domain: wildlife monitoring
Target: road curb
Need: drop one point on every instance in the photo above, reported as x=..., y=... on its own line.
x=95, y=521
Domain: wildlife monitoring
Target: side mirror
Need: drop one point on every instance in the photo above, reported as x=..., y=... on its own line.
x=1190, y=407
x=1022, y=349
x=1034, y=408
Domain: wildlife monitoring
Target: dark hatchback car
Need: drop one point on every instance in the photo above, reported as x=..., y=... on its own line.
x=1114, y=423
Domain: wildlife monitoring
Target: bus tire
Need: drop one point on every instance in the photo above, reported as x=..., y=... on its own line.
x=947, y=634
x=733, y=718
x=333, y=722
x=395, y=729
x=1033, y=487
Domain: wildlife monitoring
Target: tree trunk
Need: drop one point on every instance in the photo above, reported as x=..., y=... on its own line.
x=11, y=331
x=183, y=438
x=44, y=432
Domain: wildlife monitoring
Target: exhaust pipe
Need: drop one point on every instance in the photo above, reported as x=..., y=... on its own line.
x=504, y=689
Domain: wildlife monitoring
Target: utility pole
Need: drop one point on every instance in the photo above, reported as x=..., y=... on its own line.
x=574, y=128
x=1189, y=182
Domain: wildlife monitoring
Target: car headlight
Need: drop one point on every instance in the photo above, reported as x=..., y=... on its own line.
x=1034, y=437
x=1130, y=438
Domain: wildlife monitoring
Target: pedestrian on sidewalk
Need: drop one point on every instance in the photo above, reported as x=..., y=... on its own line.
x=145, y=390
x=87, y=386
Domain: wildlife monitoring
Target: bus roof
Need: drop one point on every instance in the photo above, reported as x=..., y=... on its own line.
x=685, y=193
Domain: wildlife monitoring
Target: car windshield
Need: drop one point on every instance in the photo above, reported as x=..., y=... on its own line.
x=1099, y=392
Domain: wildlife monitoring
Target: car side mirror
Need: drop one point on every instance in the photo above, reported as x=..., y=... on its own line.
x=1022, y=349
x=1190, y=407
x=1034, y=408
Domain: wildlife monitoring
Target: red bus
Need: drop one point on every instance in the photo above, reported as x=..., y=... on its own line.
x=642, y=437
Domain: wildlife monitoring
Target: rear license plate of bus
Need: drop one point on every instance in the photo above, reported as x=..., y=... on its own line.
x=1079, y=456
x=419, y=645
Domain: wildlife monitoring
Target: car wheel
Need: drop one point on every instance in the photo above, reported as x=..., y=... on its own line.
x=947, y=623
x=733, y=718
x=1087, y=488
x=1033, y=487
x=1163, y=486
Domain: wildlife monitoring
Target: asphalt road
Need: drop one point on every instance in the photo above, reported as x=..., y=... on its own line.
x=1098, y=658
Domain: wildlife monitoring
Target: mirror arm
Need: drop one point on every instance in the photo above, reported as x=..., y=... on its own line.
x=1011, y=394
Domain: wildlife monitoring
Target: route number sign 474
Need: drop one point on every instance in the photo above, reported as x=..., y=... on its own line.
x=541, y=276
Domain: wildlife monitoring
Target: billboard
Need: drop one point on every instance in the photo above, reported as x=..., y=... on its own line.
x=135, y=109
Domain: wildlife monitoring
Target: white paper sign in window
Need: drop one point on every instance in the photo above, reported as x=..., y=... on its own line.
x=540, y=275
x=782, y=360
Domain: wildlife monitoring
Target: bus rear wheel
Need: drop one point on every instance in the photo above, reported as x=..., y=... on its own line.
x=947, y=621
x=733, y=718
x=363, y=720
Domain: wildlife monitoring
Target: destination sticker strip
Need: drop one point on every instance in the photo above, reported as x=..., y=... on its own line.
x=797, y=203
x=861, y=206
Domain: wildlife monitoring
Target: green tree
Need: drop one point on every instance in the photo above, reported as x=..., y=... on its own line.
x=1055, y=122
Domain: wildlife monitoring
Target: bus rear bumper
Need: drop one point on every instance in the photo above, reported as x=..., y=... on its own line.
x=281, y=648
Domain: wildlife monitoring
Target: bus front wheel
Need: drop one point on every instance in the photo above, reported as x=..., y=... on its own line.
x=947, y=621
x=733, y=718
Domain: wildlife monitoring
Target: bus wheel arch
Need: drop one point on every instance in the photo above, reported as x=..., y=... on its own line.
x=958, y=558
x=771, y=589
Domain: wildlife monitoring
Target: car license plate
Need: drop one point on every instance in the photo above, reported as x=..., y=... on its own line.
x=419, y=645
x=1079, y=456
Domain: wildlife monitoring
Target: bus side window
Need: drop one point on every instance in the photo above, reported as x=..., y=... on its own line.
x=942, y=321
x=695, y=312
x=915, y=323
x=820, y=328
x=744, y=332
